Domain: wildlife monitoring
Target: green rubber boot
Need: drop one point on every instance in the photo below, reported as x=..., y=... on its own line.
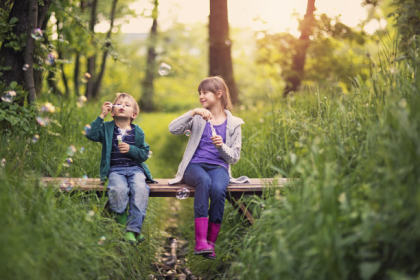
x=130, y=237
x=121, y=218
x=140, y=238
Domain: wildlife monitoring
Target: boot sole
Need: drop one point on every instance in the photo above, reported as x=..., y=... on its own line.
x=202, y=252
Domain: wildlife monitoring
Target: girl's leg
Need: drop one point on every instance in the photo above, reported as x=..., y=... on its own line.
x=139, y=196
x=196, y=176
x=118, y=191
x=220, y=181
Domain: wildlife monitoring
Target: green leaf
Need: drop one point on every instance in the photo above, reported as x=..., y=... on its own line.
x=368, y=269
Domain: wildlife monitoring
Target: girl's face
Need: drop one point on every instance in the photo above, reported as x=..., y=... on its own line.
x=209, y=99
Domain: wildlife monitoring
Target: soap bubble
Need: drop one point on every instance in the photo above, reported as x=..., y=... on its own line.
x=101, y=240
x=25, y=67
x=47, y=108
x=81, y=100
x=164, y=69
x=68, y=162
x=42, y=121
x=82, y=150
x=150, y=154
x=36, y=34
x=86, y=77
x=86, y=129
x=187, y=133
x=3, y=162
x=35, y=138
x=8, y=96
x=182, y=193
x=52, y=56
x=66, y=185
x=71, y=150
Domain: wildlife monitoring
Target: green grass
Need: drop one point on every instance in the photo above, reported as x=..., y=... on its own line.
x=351, y=213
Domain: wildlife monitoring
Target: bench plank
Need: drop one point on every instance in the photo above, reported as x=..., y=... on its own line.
x=161, y=188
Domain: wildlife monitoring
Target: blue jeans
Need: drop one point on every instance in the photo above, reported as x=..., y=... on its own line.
x=210, y=181
x=127, y=185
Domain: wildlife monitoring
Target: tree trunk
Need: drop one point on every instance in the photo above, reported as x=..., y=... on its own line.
x=91, y=61
x=29, y=84
x=98, y=81
x=146, y=100
x=294, y=79
x=76, y=73
x=12, y=59
x=220, y=46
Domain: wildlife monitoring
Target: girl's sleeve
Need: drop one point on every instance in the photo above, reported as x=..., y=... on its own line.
x=181, y=124
x=139, y=153
x=96, y=131
x=232, y=154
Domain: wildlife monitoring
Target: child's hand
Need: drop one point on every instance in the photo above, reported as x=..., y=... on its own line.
x=206, y=114
x=217, y=140
x=123, y=147
x=106, y=108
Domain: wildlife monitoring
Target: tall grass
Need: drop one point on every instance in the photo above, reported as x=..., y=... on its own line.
x=352, y=212
x=48, y=234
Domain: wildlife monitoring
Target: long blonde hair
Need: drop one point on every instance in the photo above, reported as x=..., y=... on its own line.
x=214, y=84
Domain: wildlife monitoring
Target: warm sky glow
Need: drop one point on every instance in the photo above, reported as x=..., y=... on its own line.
x=271, y=15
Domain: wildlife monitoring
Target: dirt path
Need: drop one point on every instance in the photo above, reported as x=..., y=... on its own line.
x=171, y=259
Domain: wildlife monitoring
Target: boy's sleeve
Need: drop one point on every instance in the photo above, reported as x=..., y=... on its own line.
x=139, y=153
x=181, y=124
x=96, y=131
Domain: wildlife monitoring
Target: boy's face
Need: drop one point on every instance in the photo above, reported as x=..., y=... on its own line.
x=124, y=108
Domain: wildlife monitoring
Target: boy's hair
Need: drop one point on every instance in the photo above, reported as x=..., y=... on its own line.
x=214, y=84
x=120, y=95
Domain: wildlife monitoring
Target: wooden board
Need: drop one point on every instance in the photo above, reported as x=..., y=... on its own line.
x=161, y=188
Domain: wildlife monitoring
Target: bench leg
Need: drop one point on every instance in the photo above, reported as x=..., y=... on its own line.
x=241, y=207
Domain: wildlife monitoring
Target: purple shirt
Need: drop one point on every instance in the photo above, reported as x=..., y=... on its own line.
x=206, y=152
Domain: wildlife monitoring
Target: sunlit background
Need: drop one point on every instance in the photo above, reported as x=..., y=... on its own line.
x=270, y=15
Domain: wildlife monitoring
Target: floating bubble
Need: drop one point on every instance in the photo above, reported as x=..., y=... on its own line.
x=35, y=138
x=25, y=67
x=82, y=150
x=3, y=162
x=52, y=56
x=101, y=240
x=150, y=154
x=69, y=160
x=71, y=150
x=47, y=108
x=182, y=193
x=81, y=101
x=86, y=129
x=66, y=185
x=164, y=69
x=37, y=34
x=86, y=77
x=187, y=133
x=8, y=96
x=42, y=121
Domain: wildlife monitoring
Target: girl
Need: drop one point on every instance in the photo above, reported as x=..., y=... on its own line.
x=214, y=145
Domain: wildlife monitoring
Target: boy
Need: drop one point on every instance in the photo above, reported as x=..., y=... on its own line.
x=123, y=154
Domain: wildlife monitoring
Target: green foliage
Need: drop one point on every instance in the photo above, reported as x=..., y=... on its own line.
x=352, y=211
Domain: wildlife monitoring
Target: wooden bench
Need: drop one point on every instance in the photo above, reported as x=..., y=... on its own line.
x=163, y=189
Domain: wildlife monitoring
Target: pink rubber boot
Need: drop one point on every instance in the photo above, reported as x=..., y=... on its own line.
x=212, y=234
x=201, y=245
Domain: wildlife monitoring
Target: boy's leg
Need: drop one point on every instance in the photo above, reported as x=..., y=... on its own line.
x=117, y=191
x=139, y=196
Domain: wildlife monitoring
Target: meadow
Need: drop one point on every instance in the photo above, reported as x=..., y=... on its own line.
x=351, y=211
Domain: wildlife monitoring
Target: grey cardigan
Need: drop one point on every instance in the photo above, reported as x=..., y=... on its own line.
x=230, y=152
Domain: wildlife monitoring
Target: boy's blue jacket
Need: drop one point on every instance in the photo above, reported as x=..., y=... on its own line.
x=101, y=131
